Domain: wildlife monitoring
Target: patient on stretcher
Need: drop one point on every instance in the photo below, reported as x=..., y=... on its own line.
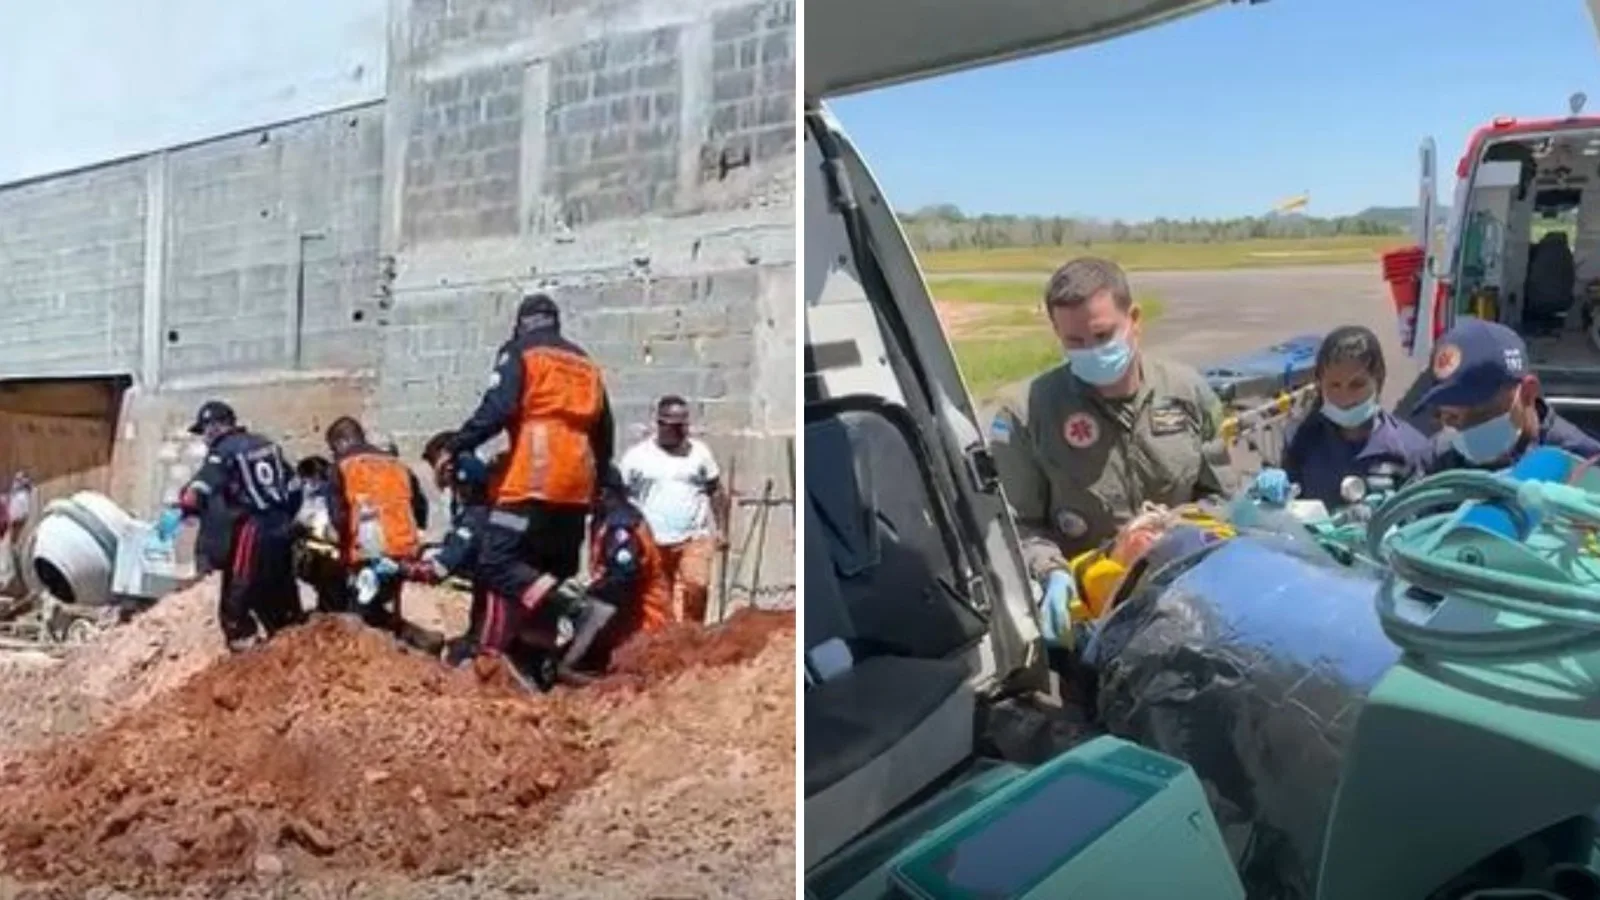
x=1099, y=574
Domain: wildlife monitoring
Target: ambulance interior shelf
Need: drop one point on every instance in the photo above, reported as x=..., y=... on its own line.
x=1529, y=246
x=1485, y=259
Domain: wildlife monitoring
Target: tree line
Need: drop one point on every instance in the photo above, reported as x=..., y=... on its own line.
x=945, y=227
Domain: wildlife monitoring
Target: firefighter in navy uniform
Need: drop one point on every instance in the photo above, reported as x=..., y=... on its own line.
x=373, y=497
x=249, y=476
x=627, y=572
x=628, y=593
x=466, y=478
x=550, y=399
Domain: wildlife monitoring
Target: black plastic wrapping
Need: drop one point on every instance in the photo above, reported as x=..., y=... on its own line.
x=1250, y=660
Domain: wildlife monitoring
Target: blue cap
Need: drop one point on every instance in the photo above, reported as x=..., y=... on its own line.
x=1472, y=362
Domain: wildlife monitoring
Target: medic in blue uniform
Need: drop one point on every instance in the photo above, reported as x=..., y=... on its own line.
x=1487, y=399
x=1348, y=433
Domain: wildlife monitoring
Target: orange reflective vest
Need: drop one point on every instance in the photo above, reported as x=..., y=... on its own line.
x=551, y=457
x=652, y=608
x=382, y=484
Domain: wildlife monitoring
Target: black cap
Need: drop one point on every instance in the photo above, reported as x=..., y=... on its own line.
x=212, y=412
x=537, y=311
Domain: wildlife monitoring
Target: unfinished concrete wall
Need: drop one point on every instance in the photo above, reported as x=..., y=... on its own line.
x=272, y=248
x=632, y=157
x=72, y=253
x=243, y=267
x=642, y=174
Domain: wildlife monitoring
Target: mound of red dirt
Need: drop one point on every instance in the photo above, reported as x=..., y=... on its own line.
x=325, y=750
x=650, y=658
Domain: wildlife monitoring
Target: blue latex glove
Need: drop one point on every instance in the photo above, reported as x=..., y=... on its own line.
x=386, y=568
x=167, y=524
x=1055, y=617
x=1272, y=486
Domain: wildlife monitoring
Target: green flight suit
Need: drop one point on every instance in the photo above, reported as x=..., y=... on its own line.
x=1076, y=466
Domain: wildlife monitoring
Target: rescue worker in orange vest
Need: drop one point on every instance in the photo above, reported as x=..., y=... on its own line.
x=628, y=594
x=550, y=399
x=627, y=571
x=377, y=510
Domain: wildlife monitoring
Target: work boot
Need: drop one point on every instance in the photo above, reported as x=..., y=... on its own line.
x=536, y=671
x=572, y=677
x=423, y=640
x=457, y=652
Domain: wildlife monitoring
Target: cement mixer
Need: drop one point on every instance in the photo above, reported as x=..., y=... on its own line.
x=87, y=564
x=1420, y=722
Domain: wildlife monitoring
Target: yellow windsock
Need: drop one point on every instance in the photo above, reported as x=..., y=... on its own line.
x=1297, y=202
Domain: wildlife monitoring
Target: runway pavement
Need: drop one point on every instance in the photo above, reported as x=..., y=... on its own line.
x=1212, y=316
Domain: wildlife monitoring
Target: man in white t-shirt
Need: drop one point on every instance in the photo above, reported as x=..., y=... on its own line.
x=676, y=482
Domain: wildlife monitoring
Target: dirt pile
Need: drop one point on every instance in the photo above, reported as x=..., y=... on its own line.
x=698, y=801
x=329, y=751
x=120, y=668
x=651, y=658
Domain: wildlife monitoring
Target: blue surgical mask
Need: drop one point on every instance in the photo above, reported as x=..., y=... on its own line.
x=1104, y=364
x=1488, y=441
x=1351, y=416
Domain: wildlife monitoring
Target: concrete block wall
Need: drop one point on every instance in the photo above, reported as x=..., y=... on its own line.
x=642, y=175
x=272, y=248
x=187, y=269
x=611, y=126
x=154, y=432
x=462, y=165
x=752, y=92
x=189, y=262
x=370, y=259
x=72, y=254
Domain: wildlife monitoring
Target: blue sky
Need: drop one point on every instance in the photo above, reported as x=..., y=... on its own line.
x=87, y=81
x=1227, y=112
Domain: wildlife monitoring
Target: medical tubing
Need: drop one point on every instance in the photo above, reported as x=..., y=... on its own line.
x=1571, y=615
x=1439, y=492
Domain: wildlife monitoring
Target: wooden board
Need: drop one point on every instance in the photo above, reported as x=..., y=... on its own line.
x=61, y=455
x=87, y=398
